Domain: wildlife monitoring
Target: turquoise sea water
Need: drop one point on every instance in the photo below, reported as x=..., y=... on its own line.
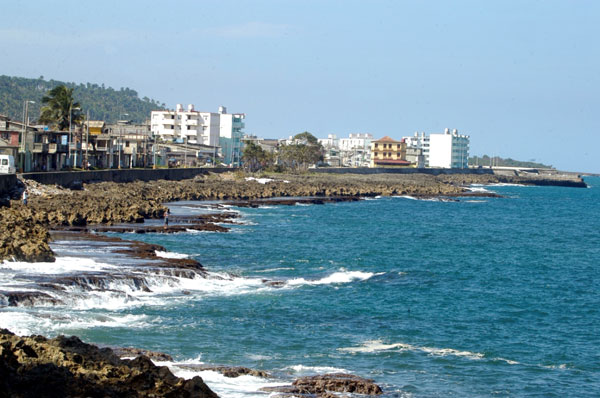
x=478, y=298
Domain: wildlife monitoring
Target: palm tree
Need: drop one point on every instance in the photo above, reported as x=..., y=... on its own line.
x=59, y=109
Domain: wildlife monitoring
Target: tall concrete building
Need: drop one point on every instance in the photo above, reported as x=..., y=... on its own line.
x=218, y=129
x=449, y=150
x=419, y=141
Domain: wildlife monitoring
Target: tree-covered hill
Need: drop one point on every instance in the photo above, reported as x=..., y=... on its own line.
x=103, y=103
x=486, y=160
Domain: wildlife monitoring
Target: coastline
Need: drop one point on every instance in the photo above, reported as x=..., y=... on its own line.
x=233, y=191
x=24, y=230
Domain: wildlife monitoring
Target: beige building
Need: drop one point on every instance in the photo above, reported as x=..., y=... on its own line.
x=387, y=152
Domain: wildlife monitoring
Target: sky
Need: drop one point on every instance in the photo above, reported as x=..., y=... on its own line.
x=521, y=78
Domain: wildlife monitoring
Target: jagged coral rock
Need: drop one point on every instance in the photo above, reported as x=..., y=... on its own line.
x=66, y=367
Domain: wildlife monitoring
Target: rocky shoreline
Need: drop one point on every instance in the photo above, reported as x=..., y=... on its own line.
x=24, y=230
x=70, y=367
x=36, y=366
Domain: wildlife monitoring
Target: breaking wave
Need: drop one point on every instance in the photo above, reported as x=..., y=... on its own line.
x=341, y=276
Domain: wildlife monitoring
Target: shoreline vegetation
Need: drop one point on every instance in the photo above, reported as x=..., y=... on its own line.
x=58, y=213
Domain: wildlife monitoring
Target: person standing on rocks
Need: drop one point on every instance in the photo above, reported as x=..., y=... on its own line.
x=167, y=217
x=25, y=196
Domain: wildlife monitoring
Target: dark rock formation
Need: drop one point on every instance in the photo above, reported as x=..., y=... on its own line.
x=136, y=352
x=32, y=367
x=323, y=385
x=227, y=371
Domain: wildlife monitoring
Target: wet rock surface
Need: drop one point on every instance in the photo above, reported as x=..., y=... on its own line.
x=323, y=386
x=35, y=366
x=126, y=352
x=227, y=371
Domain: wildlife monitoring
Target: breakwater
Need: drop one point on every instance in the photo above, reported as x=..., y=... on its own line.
x=385, y=170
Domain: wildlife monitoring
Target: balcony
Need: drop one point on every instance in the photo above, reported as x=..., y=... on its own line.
x=60, y=148
x=39, y=147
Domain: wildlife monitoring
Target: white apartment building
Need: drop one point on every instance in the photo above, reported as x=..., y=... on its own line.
x=356, y=141
x=207, y=128
x=356, y=149
x=449, y=150
x=419, y=141
x=331, y=142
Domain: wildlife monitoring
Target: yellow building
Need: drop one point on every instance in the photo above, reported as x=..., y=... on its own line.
x=97, y=127
x=387, y=152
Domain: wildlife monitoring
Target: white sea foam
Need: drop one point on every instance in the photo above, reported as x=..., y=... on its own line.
x=258, y=357
x=405, y=197
x=377, y=345
x=51, y=323
x=341, y=276
x=303, y=370
x=275, y=269
x=373, y=346
x=170, y=254
x=473, y=188
x=421, y=199
x=195, y=231
x=505, y=184
x=560, y=366
x=62, y=265
x=245, y=386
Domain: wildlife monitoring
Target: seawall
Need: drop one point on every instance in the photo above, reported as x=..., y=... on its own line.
x=72, y=178
x=7, y=183
x=384, y=170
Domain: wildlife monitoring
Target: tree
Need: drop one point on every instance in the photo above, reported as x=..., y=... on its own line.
x=255, y=157
x=307, y=137
x=59, y=109
x=304, y=151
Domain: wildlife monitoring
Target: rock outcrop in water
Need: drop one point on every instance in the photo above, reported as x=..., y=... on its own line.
x=22, y=236
x=32, y=367
x=323, y=386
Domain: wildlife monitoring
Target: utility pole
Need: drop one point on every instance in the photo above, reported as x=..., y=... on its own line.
x=87, y=139
x=24, y=134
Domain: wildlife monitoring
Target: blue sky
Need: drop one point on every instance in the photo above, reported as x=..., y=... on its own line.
x=522, y=78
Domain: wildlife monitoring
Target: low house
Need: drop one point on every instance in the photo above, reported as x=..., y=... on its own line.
x=49, y=150
x=9, y=138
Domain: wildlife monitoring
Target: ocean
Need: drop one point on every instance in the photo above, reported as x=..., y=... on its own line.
x=483, y=297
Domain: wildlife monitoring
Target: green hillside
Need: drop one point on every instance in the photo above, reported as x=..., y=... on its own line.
x=486, y=160
x=103, y=103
